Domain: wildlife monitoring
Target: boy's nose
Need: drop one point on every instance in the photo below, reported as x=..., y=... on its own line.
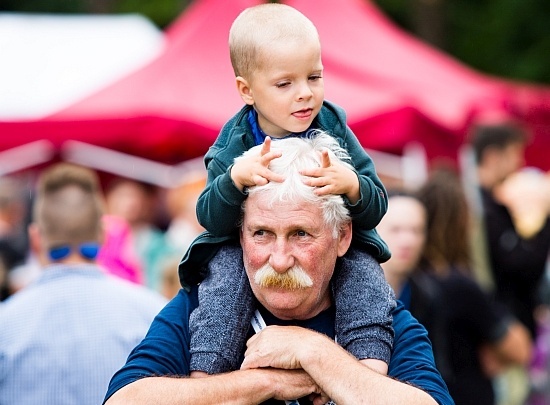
x=304, y=92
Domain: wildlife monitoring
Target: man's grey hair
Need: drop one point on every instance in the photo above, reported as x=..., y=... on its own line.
x=300, y=154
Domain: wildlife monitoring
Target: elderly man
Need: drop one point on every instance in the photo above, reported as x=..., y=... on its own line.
x=291, y=239
x=63, y=336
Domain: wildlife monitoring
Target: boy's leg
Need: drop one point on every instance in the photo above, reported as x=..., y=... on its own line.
x=364, y=301
x=219, y=325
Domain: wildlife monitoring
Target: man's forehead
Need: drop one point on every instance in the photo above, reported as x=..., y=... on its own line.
x=262, y=212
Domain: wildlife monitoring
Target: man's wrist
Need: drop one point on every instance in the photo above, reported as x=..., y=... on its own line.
x=310, y=353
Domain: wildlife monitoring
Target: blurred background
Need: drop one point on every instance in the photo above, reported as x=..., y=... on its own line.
x=502, y=37
x=153, y=80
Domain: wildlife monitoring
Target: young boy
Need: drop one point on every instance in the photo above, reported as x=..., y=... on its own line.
x=276, y=55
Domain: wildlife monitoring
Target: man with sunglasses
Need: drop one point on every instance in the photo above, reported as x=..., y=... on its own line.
x=62, y=337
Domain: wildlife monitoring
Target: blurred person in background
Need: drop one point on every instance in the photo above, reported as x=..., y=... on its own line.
x=169, y=285
x=183, y=228
x=118, y=254
x=472, y=338
x=515, y=230
x=515, y=207
x=14, y=244
x=485, y=338
x=137, y=204
x=64, y=336
x=181, y=203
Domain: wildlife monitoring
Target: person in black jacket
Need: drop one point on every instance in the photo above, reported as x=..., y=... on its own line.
x=472, y=338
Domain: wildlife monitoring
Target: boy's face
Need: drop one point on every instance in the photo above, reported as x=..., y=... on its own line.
x=287, y=90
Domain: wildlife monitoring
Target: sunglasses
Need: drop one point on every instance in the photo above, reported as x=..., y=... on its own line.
x=87, y=250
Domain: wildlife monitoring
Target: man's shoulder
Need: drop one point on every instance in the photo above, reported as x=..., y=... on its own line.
x=179, y=308
x=404, y=323
x=27, y=299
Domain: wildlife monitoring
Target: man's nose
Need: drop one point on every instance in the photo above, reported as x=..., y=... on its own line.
x=281, y=258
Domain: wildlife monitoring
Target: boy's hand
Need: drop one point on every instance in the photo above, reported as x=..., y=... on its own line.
x=333, y=178
x=253, y=170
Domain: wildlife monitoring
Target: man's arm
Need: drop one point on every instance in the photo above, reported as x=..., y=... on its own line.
x=344, y=379
x=150, y=375
x=238, y=387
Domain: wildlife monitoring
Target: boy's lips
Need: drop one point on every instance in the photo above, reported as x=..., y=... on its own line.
x=303, y=114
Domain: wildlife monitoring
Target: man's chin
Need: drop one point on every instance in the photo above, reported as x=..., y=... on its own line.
x=282, y=303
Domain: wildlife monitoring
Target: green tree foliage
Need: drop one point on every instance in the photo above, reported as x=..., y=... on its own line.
x=161, y=12
x=507, y=38
x=41, y=6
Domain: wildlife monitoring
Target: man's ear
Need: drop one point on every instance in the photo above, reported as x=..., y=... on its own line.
x=244, y=90
x=35, y=240
x=36, y=244
x=344, y=239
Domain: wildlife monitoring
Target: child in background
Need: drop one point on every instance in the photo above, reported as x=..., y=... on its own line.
x=276, y=55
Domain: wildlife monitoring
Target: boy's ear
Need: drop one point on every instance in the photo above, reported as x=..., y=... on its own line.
x=244, y=90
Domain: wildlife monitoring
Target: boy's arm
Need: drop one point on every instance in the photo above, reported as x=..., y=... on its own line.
x=219, y=205
x=373, y=201
x=360, y=186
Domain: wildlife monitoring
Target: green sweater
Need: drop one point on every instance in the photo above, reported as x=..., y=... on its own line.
x=219, y=205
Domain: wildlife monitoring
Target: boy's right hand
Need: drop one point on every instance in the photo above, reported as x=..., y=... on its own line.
x=253, y=170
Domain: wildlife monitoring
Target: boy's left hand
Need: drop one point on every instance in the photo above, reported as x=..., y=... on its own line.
x=333, y=178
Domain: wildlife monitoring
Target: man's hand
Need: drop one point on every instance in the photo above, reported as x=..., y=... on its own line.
x=278, y=348
x=281, y=347
x=253, y=170
x=333, y=178
x=293, y=384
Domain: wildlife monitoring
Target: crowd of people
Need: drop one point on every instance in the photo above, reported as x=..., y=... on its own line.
x=288, y=272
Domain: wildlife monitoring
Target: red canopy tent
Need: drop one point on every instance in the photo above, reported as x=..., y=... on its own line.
x=170, y=110
x=395, y=89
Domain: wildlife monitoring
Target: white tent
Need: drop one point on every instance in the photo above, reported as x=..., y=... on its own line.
x=48, y=62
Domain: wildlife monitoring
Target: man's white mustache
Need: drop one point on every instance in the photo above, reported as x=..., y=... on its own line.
x=293, y=279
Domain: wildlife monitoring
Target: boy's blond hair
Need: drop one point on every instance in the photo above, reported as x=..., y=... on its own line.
x=258, y=27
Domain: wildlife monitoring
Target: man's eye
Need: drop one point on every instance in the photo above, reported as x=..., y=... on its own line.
x=301, y=233
x=259, y=233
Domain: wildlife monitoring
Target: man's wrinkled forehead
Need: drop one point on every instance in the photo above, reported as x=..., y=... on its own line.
x=261, y=210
